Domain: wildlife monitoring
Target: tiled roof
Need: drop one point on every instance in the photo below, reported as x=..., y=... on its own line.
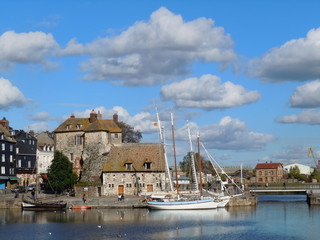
x=83, y=124
x=138, y=154
x=268, y=165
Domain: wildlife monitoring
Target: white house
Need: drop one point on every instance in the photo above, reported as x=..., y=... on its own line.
x=45, y=152
x=306, y=170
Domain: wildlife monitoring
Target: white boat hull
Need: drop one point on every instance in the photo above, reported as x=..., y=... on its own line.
x=223, y=201
x=184, y=205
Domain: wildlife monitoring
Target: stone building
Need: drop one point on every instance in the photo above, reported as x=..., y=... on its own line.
x=85, y=141
x=134, y=168
x=269, y=172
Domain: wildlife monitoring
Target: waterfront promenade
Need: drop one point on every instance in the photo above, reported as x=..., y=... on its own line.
x=8, y=200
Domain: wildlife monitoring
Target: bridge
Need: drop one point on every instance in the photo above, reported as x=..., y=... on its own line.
x=290, y=190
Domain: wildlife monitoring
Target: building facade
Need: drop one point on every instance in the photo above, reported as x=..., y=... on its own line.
x=26, y=156
x=134, y=168
x=45, y=152
x=7, y=156
x=85, y=141
x=269, y=172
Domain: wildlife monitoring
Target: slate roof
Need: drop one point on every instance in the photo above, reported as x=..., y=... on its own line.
x=44, y=139
x=268, y=165
x=83, y=124
x=138, y=154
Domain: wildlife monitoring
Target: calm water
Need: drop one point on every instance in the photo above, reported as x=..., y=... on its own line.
x=284, y=217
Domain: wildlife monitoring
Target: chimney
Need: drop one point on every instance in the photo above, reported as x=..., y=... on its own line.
x=99, y=115
x=72, y=116
x=31, y=132
x=93, y=116
x=115, y=118
x=5, y=123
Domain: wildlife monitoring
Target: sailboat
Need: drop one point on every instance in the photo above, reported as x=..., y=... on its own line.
x=179, y=203
x=222, y=200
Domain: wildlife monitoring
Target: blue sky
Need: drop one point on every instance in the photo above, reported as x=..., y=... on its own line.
x=245, y=74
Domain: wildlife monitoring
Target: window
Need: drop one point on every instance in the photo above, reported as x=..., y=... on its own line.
x=3, y=146
x=29, y=164
x=68, y=127
x=111, y=185
x=128, y=185
x=11, y=158
x=116, y=135
x=11, y=148
x=147, y=165
x=78, y=140
x=19, y=163
x=3, y=170
x=17, y=150
x=78, y=126
x=3, y=158
x=128, y=166
x=71, y=157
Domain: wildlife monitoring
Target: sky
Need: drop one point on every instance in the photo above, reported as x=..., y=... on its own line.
x=244, y=75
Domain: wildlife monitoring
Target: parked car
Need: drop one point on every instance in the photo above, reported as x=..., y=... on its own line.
x=31, y=187
x=20, y=189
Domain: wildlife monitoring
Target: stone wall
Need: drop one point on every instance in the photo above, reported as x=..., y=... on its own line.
x=65, y=142
x=245, y=200
x=133, y=183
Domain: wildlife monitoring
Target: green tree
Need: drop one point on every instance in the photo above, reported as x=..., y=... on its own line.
x=60, y=174
x=129, y=135
x=294, y=173
x=185, y=164
x=315, y=175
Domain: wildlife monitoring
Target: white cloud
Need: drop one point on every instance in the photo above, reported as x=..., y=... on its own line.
x=296, y=60
x=229, y=134
x=142, y=121
x=38, y=127
x=25, y=48
x=148, y=53
x=306, y=96
x=41, y=116
x=310, y=117
x=10, y=96
x=208, y=92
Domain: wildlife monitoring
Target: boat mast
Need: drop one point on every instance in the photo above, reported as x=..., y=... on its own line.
x=162, y=140
x=193, y=166
x=174, y=154
x=200, y=163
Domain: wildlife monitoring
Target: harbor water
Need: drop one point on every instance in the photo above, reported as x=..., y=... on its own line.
x=275, y=217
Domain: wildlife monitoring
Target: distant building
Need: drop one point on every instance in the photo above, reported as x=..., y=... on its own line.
x=45, y=152
x=26, y=155
x=269, y=172
x=133, y=168
x=306, y=170
x=7, y=156
x=85, y=141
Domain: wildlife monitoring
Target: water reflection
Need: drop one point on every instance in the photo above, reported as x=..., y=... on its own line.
x=269, y=220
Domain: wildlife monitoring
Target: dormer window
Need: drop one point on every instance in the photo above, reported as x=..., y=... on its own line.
x=128, y=166
x=68, y=127
x=78, y=126
x=147, y=165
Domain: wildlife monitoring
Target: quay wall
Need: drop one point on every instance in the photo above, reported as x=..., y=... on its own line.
x=245, y=200
x=313, y=199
